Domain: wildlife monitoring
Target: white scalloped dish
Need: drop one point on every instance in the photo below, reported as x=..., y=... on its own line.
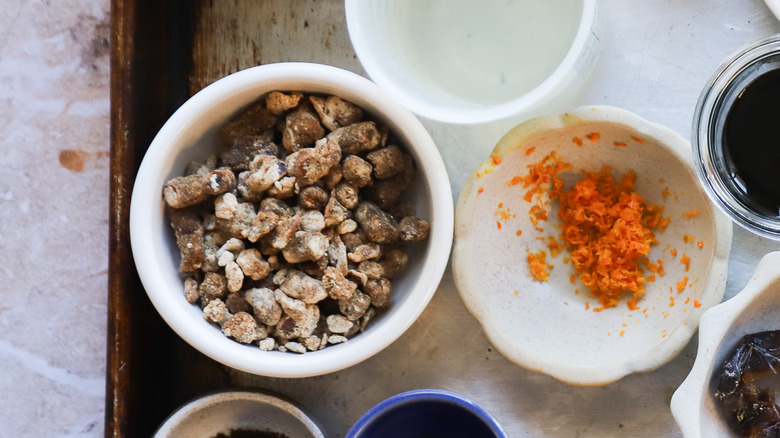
x=551, y=327
x=754, y=309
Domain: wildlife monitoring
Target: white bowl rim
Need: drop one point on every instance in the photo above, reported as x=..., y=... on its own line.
x=479, y=113
x=774, y=6
x=687, y=401
x=147, y=195
x=192, y=407
x=603, y=374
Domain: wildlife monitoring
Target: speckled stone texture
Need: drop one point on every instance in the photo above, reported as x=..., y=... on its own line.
x=54, y=131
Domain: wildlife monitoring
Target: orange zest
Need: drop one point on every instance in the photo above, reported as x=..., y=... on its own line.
x=607, y=228
x=685, y=260
x=540, y=269
x=681, y=284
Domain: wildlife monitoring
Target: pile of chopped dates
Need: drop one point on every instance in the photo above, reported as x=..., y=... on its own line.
x=292, y=247
x=745, y=383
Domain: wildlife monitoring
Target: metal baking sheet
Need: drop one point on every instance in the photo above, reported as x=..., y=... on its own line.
x=654, y=59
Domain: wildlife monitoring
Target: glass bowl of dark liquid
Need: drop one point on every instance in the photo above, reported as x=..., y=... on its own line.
x=736, y=137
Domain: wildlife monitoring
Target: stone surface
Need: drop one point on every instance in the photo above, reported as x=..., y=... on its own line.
x=54, y=120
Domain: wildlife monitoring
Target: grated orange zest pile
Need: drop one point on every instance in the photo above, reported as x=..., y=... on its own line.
x=607, y=229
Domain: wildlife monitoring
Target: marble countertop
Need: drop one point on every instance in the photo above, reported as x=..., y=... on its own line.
x=54, y=120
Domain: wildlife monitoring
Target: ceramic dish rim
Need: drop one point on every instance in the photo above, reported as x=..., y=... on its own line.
x=476, y=113
x=197, y=404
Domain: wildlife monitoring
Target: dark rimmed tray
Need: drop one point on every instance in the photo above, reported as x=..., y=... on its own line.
x=150, y=371
x=162, y=53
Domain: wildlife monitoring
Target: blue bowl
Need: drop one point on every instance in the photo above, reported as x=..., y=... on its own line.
x=427, y=413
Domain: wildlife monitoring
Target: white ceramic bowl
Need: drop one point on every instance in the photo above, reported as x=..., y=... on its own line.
x=754, y=309
x=472, y=62
x=190, y=134
x=222, y=412
x=546, y=326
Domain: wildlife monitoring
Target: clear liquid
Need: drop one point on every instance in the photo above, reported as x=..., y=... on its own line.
x=486, y=51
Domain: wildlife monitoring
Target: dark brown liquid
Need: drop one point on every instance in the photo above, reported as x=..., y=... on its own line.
x=752, y=141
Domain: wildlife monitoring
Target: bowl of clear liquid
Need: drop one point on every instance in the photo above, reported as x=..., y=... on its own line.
x=466, y=61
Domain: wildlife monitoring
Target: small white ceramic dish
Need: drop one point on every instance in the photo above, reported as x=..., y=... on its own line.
x=222, y=412
x=471, y=62
x=754, y=309
x=191, y=134
x=547, y=326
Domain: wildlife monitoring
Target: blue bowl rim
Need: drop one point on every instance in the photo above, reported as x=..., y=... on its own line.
x=426, y=394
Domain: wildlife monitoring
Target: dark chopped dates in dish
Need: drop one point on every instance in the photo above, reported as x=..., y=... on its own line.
x=290, y=238
x=745, y=384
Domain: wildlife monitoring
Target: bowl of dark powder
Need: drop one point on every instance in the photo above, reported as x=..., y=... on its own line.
x=239, y=414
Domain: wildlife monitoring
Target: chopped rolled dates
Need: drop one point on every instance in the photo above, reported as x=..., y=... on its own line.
x=292, y=247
